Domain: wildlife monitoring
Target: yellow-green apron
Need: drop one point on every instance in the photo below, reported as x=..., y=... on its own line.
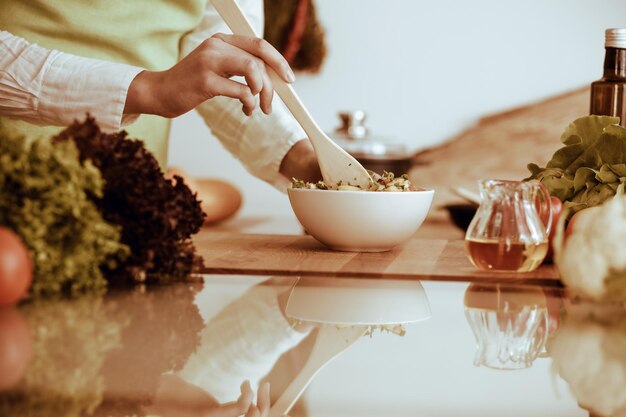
x=145, y=33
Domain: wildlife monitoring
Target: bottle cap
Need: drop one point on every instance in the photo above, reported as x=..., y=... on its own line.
x=615, y=38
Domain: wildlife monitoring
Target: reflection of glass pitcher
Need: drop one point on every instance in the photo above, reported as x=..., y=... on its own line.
x=510, y=324
x=508, y=231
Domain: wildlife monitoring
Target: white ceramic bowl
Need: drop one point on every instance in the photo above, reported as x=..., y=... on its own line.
x=360, y=221
x=357, y=302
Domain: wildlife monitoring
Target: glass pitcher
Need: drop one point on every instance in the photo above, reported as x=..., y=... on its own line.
x=510, y=324
x=511, y=227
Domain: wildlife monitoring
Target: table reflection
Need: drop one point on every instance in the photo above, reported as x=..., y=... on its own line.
x=101, y=355
x=510, y=324
x=514, y=325
x=345, y=310
x=154, y=351
x=146, y=350
x=16, y=347
x=243, y=342
x=589, y=352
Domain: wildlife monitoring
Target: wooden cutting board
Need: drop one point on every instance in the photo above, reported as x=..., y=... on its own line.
x=418, y=259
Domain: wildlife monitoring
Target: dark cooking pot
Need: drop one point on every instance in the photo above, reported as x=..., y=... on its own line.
x=375, y=153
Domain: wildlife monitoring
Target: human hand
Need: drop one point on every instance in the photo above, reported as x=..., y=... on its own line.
x=178, y=398
x=244, y=404
x=205, y=73
x=301, y=163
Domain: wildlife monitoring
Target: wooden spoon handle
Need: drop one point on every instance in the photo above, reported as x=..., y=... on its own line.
x=239, y=24
x=330, y=343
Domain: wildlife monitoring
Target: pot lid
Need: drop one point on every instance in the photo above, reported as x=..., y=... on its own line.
x=355, y=138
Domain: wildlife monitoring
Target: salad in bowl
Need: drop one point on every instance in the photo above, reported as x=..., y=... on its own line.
x=349, y=218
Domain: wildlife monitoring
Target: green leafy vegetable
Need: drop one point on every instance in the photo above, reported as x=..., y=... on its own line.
x=88, y=350
x=387, y=182
x=590, y=166
x=94, y=208
x=45, y=198
x=157, y=215
x=71, y=340
x=163, y=330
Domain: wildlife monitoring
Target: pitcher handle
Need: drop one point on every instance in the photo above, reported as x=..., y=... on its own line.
x=545, y=207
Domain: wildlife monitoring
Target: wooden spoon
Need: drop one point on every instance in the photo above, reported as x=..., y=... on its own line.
x=335, y=163
x=331, y=342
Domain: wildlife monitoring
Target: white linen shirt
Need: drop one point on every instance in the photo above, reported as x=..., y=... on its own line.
x=49, y=87
x=243, y=342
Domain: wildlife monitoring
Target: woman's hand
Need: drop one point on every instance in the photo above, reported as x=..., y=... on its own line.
x=301, y=163
x=178, y=398
x=244, y=406
x=205, y=73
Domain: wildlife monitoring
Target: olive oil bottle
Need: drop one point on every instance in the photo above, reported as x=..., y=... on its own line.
x=608, y=95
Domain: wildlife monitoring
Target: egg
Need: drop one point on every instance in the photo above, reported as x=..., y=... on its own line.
x=220, y=200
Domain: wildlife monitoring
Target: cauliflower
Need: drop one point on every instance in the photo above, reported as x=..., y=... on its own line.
x=592, y=261
x=588, y=353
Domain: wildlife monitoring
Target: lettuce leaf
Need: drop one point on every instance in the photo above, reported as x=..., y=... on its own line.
x=590, y=166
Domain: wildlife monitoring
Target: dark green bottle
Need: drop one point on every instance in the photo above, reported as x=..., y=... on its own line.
x=608, y=95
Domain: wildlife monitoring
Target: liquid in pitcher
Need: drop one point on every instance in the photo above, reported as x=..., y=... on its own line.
x=500, y=255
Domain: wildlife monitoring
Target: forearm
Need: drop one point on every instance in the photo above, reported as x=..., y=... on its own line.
x=272, y=147
x=141, y=97
x=301, y=163
x=244, y=341
x=49, y=87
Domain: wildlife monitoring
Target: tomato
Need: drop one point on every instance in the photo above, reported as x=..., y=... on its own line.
x=557, y=209
x=554, y=304
x=16, y=269
x=15, y=347
x=573, y=222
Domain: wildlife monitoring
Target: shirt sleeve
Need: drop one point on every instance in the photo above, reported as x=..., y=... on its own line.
x=49, y=87
x=260, y=141
x=243, y=342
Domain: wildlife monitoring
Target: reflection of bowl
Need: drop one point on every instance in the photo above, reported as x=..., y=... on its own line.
x=360, y=221
x=350, y=301
x=461, y=214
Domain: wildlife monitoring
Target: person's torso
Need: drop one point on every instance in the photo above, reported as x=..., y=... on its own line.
x=145, y=33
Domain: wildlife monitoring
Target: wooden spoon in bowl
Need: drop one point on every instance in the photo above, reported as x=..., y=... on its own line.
x=335, y=163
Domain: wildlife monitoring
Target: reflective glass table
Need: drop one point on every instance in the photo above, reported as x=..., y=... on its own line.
x=329, y=347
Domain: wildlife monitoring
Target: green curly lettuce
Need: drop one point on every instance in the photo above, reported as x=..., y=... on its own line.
x=71, y=341
x=103, y=355
x=157, y=216
x=45, y=197
x=590, y=166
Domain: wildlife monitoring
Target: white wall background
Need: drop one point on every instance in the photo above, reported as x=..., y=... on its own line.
x=425, y=70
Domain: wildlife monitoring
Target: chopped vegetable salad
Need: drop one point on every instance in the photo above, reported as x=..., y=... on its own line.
x=387, y=182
